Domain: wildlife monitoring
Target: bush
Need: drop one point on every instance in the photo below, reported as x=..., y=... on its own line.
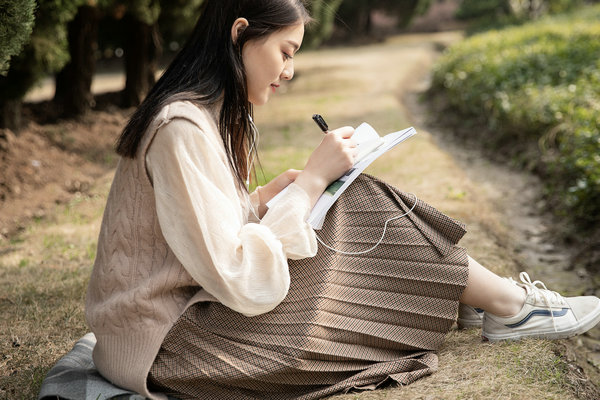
x=483, y=15
x=537, y=84
x=16, y=23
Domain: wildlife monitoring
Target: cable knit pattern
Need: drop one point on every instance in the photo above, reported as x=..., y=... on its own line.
x=161, y=248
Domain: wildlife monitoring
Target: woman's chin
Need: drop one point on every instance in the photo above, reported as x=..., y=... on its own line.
x=259, y=100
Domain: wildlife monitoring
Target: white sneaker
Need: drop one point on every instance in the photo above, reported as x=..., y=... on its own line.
x=545, y=314
x=472, y=317
x=469, y=317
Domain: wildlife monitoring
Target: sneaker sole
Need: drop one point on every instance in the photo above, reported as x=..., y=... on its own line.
x=468, y=323
x=583, y=326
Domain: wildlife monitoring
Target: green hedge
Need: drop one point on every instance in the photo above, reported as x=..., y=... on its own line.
x=536, y=84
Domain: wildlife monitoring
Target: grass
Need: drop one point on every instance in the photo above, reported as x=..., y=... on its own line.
x=44, y=271
x=43, y=279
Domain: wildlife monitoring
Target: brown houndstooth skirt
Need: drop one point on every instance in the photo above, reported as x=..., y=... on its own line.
x=349, y=321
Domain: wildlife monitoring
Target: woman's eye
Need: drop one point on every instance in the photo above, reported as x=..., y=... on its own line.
x=287, y=56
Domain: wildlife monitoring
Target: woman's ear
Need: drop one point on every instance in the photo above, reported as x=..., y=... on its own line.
x=238, y=27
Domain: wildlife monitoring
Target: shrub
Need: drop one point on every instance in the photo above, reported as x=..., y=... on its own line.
x=16, y=23
x=536, y=84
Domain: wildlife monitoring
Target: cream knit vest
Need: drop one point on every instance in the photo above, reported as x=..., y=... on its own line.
x=138, y=288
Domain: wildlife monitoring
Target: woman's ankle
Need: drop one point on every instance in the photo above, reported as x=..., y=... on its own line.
x=510, y=305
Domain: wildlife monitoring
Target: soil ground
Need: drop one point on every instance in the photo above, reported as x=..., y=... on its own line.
x=55, y=177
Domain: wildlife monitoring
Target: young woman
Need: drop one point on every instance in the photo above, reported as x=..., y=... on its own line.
x=200, y=291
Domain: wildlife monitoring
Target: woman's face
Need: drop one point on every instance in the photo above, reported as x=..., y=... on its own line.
x=269, y=60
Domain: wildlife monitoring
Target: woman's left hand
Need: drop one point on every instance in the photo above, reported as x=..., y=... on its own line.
x=275, y=186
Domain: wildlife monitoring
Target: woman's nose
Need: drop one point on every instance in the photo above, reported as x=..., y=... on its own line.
x=288, y=71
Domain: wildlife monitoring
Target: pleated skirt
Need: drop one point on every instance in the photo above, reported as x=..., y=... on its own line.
x=349, y=321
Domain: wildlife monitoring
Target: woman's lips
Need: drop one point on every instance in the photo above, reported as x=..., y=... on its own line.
x=274, y=86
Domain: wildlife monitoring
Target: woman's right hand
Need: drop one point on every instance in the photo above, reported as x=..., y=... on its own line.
x=330, y=160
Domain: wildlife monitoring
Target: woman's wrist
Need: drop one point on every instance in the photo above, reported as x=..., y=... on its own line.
x=273, y=188
x=262, y=204
x=312, y=184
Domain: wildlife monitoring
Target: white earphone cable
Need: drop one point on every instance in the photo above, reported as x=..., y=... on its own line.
x=351, y=253
x=250, y=161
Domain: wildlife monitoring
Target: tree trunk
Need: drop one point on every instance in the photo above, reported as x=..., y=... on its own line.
x=362, y=23
x=73, y=95
x=407, y=13
x=368, y=23
x=10, y=114
x=142, y=50
x=21, y=77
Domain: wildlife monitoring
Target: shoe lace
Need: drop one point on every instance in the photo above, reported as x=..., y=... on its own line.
x=542, y=293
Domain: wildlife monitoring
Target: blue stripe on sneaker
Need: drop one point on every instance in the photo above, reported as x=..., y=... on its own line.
x=478, y=310
x=545, y=313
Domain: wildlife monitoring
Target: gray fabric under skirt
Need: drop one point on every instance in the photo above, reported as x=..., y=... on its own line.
x=75, y=377
x=349, y=321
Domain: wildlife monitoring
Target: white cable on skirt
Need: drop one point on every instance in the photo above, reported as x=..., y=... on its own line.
x=351, y=253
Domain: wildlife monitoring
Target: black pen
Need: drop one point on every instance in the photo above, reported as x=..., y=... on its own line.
x=321, y=122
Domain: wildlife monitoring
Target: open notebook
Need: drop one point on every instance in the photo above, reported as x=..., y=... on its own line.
x=370, y=146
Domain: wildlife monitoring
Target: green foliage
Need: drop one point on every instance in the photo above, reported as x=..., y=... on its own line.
x=178, y=18
x=537, y=84
x=355, y=15
x=323, y=13
x=405, y=10
x=146, y=11
x=46, y=52
x=471, y=9
x=490, y=14
x=16, y=23
x=49, y=38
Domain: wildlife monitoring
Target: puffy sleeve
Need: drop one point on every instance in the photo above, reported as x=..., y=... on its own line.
x=242, y=264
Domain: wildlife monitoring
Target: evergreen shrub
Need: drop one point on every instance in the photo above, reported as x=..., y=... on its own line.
x=16, y=23
x=537, y=84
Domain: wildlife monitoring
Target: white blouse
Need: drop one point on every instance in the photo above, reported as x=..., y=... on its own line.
x=212, y=227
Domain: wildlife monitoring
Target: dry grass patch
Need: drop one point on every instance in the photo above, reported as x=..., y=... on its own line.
x=43, y=278
x=471, y=369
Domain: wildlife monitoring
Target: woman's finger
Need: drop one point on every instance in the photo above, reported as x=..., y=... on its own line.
x=344, y=132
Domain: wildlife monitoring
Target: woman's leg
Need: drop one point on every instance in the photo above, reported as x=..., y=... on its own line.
x=492, y=293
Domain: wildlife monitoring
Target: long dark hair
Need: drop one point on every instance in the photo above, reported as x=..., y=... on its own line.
x=209, y=69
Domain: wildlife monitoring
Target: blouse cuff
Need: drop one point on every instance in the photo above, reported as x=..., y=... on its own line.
x=287, y=220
